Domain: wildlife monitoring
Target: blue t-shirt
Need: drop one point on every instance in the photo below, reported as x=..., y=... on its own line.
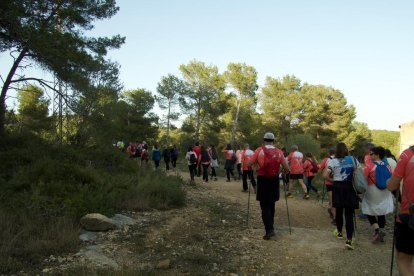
x=342, y=168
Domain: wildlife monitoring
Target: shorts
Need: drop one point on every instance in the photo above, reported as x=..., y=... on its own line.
x=296, y=176
x=329, y=188
x=404, y=238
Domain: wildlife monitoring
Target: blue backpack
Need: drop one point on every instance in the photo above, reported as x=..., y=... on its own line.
x=381, y=175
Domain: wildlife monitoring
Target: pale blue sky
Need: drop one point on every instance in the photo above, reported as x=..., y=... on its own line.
x=363, y=48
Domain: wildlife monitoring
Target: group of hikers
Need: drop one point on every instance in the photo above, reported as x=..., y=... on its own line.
x=140, y=151
x=386, y=179
x=383, y=174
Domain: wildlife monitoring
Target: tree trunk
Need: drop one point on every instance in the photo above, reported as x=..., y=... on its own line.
x=6, y=86
x=168, y=123
x=235, y=122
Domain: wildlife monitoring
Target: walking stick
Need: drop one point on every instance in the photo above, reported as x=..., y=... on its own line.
x=287, y=207
x=393, y=235
x=323, y=193
x=248, y=206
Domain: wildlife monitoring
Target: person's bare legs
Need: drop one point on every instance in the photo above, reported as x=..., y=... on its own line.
x=404, y=263
x=302, y=183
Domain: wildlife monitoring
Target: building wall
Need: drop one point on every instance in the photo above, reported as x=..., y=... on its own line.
x=406, y=135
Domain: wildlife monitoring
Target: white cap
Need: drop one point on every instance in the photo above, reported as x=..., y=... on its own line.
x=269, y=136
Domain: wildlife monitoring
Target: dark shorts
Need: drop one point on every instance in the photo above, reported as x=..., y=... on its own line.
x=329, y=188
x=404, y=238
x=296, y=176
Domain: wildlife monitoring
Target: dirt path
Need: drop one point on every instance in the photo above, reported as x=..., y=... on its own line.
x=210, y=236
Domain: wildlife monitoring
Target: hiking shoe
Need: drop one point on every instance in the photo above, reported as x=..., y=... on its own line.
x=289, y=195
x=267, y=237
x=215, y=179
x=306, y=196
x=269, y=234
x=244, y=191
x=349, y=244
x=228, y=180
x=338, y=234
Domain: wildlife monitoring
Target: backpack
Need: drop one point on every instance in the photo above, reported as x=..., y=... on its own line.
x=193, y=159
x=234, y=157
x=381, y=175
x=271, y=162
x=315, y=167
x=359, y=180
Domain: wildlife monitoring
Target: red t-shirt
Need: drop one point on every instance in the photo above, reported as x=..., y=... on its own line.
x=405, y=170
x=307, y=167
x=258, y=157
x=197, y=150
x=295, y=162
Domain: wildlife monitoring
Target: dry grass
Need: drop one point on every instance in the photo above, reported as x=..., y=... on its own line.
x=26, y=240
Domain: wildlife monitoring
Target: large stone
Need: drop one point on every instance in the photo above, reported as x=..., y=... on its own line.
x=121, y=220
x=97, y=222
x=87, y=236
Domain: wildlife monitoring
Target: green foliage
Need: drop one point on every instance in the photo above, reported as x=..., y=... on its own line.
x=170, y=89
x=202, y=101
x=33, y=109
x=387, y=139
x=243, y=84
x=306, y=143
x=52, y=35
x=320, y=111
x=359, y=136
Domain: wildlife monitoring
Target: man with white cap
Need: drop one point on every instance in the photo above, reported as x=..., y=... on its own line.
x=268, y=159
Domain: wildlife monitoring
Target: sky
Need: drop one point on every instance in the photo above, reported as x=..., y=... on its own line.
x=363, y=48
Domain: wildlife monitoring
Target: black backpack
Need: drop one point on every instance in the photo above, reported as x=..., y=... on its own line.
x=193, y=158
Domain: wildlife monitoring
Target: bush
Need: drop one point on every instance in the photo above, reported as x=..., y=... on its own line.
x=45, y=189
x=27, y=239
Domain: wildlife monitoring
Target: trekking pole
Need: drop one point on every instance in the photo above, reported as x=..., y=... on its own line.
x=287, y=207
x=393, y=235
x=248, y=207
x=323, y=193
x=355, y=224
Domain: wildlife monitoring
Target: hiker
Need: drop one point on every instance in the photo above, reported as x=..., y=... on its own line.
x=166, y=154
x=230, y=158
x=120, y=145
x=295, y=159
x=344, y=198
x=310, y=169
x=205, y=162
x=191, y=158
x=328, y=184
x=174, y=156
x=404, y=232
x=214, y=161
x=377, y=202
x=246, y=156
x=367, y=161
x=239, y=162
x=390, y=159
x=144, y=156
x=268, y=159
x=138, y=150
x=197, y=150
x=131, y=150
x=156, y=156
